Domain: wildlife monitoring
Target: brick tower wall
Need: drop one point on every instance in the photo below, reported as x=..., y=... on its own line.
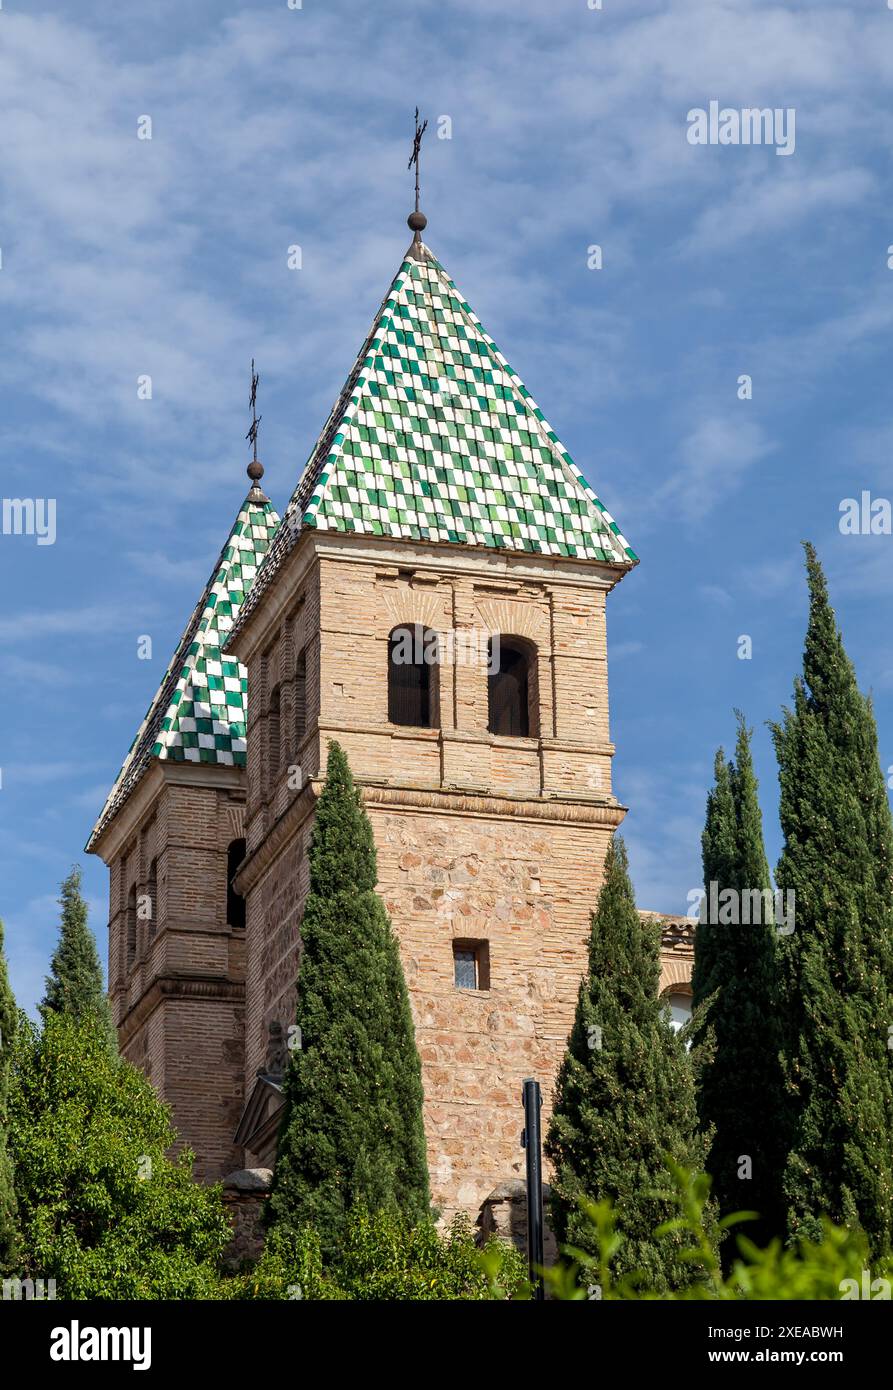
x=525, y=888
x=479, y=837
x=178, y=997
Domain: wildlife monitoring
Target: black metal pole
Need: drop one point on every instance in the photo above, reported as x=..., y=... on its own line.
x=532, y=1141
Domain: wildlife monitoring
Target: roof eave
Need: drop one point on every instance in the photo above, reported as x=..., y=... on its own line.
x=108, y=839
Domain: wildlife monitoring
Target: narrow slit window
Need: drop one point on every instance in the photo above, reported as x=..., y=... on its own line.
x=273, y=736
x=235, y=903
x=131, y=927
x=152, y=894
x=300, y=697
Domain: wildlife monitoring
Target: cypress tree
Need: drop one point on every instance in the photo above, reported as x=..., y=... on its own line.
x=74, y=985
x=352, y=1128
x=735, y=1032
x=624, y=1096
x=8, y=1022
x=837, y=857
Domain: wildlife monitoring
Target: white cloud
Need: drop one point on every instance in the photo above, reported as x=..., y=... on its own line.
x=96, y=620
x=39, y=774
x=714, y=458
x=617, y=651
x=763, y=207
x=716, y=594
x=130, y=256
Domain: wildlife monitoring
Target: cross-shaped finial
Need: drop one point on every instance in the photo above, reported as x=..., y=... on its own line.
x=251, y=436
x=255, y=467
x=417, y=220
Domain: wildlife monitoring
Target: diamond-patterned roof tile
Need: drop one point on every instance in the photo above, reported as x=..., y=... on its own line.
x=199, y=711
x=434, y=437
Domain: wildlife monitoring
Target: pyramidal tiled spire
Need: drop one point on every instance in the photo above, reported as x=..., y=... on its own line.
x=434, y=437
x=199, y=711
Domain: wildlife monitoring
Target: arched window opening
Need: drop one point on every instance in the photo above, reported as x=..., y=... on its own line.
x=678, y=998
x=413, y=652
x=680, y=1008
x=511, y=688
x=235, y=903
x=301, y=696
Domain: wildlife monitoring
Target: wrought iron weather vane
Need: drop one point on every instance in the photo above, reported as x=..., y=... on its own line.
x=251, y=436
x=255, y=467
x=417, y=220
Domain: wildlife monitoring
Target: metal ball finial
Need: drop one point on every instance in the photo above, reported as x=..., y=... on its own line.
x=255, y=471
x=417, y=219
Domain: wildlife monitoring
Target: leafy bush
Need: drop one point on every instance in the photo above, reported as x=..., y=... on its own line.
x=809, y=1270
x=382, y=1258
x=101, y=1209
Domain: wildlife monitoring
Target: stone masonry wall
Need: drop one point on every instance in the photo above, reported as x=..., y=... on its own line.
x=527, y=889
x=479, y=836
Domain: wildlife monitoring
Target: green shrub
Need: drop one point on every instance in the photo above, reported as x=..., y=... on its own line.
x=386, y=1260
x=813, y=1270
x=382, y=1258
x=102, y=1210
x=290, y=1267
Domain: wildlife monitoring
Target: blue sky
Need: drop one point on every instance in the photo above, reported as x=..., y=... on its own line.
x=273, y=126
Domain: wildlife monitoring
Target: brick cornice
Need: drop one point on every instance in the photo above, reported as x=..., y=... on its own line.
x=478, y=805
x=139, y=805
x=483, y=806
x=177, y=987
x=443, y=558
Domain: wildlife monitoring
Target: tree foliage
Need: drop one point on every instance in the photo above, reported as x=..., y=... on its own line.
x=352, y=1127
x=75, y=985
x=383, y=1258
x=625, y=1094
x=832, y=1267
x=8, y=1026
x=837, y=975
x=103, y=1211
x=735, y=1030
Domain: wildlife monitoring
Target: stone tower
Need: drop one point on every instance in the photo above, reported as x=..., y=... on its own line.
x=434, y=599
x=172, y=834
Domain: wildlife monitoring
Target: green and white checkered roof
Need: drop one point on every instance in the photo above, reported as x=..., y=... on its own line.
x=199, y=712
x=435, y=438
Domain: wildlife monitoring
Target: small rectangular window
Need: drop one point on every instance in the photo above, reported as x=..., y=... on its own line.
x=471, y=964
